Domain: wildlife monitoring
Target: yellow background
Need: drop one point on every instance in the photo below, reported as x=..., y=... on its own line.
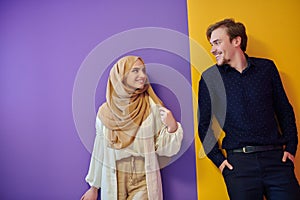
x=273, y=30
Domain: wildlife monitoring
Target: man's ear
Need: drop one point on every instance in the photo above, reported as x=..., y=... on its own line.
x=237, y=41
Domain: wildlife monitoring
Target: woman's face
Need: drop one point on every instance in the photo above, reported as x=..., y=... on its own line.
x=137, y=77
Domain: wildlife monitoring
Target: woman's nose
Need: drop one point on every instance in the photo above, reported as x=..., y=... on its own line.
x=142, y=74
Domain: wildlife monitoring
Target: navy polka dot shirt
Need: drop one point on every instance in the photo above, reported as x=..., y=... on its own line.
x=251, y=108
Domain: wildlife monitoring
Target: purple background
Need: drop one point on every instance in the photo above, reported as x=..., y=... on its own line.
x=43, y=44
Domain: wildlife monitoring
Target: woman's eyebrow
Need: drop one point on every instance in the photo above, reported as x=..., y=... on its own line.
x=139, y=67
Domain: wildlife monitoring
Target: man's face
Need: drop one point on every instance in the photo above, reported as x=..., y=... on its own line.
x=222, y=48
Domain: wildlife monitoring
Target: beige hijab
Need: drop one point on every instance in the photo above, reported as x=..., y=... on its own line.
x=125, y=108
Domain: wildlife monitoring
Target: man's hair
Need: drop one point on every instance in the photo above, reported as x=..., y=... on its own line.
x=233, y=29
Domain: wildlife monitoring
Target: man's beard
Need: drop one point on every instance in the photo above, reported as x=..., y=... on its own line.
x=224, y=62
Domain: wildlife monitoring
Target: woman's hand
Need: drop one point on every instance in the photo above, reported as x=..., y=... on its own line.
x=168, y=119
x=90, y=194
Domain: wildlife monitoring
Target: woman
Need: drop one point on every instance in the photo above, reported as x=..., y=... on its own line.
x=132, y=128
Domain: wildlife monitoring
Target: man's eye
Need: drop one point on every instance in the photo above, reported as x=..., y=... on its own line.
x=215, y=43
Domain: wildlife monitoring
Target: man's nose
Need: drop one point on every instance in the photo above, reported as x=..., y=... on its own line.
x=213, y=49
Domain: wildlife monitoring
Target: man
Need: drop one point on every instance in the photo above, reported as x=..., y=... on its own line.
x=246, y=96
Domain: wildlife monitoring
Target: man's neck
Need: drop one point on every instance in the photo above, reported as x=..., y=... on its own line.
x=239, y=62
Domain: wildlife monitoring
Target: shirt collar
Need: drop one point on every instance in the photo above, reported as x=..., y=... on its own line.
x=227, y=67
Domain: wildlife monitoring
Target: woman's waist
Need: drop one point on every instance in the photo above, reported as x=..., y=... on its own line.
x=131, y=164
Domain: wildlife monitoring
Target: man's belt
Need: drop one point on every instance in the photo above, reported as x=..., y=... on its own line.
x=253, y=149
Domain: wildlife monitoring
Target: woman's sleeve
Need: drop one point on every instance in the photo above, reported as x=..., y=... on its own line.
x=94, y=175
x=168, y=144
